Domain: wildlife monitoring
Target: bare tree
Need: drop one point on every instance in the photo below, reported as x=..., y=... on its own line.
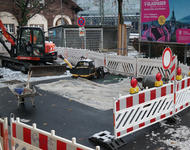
x=120, y=15
x=28, y=8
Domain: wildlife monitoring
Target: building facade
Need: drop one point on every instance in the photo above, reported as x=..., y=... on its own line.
x=56, y=13
x=105, y=12
x=93, y=7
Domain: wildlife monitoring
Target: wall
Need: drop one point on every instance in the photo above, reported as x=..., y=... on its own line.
x=70, y=9
x=39, y=19
x=8, y=18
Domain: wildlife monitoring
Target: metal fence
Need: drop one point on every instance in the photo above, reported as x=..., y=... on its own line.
x=70, y=37
x=96, y=38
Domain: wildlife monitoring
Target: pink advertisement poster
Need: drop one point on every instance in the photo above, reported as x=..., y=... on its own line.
x=152, y=9
x=165, y=21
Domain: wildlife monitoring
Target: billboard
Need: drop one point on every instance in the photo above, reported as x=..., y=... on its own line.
x=165, y=21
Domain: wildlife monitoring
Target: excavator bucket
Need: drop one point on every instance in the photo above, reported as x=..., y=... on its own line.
x=48, y=70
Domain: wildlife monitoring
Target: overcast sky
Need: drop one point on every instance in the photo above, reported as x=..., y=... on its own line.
x=181, y=8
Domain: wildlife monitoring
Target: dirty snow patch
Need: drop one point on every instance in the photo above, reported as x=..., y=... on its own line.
x=10, y=75
x=87, y=92
x=180, y=138
x=175, y=136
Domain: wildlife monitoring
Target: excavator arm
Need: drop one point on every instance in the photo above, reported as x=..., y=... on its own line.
x=6, y=34
x=10, y=38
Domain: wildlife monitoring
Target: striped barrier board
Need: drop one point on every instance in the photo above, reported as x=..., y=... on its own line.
x=99, y=58
x=1, y=131
x=29, y=137
x=121, y=64
x=173, y=68
x=1, y=147
x=184, y=68
x=137, y=111
x=4, y=134
x=182, y=94
x=74, y=55
x=147, y=66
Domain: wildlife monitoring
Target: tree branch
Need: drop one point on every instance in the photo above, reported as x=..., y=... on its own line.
x=120, y=11
x=28, y=12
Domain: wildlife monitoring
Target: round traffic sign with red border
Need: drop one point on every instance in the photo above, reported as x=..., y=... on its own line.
x=81, y=22
x=166, y=58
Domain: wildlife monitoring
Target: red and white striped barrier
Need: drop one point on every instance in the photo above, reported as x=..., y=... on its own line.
x=123, y=64
x=1, y=131
x=29, y=137
x=173, y=68
x=4, y=134
x=182, y=94
x=137, y=111
x=1, y=147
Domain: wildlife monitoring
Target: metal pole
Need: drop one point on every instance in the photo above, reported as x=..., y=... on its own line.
x=65, y=38
x=140, y=28
x=120, y=23
x=116, y=13
x=84, y=39
x=149, y=50
x=185, y=55
x=100, y=7
x=61, y=12
x=102, y=39
x=102, y=11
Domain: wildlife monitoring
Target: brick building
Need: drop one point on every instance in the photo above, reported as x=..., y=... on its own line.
x=48, y=17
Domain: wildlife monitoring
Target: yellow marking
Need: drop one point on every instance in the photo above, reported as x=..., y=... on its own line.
x=83, y=76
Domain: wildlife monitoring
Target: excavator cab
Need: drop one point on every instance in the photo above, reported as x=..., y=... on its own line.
x=30, y=42
x=29, y=52
x=31, y=45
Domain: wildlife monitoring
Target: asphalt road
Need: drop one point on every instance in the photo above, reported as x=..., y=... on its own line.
x=72, y=119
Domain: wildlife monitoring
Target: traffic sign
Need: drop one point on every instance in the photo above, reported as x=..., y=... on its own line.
x=81, y=31
x=166, y=58
x=81, y=22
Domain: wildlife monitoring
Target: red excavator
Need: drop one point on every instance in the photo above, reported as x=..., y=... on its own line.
x=30, y=52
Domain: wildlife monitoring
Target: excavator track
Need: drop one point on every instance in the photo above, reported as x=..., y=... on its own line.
x=38, y=70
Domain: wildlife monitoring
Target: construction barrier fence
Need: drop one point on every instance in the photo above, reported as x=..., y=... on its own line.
x=123, y=65
x=182, y=95
x=134, y=112
x=4, y=134
x=25, y=137
x=29, y=137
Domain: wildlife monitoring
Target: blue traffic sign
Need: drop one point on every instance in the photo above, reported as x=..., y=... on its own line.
x=81, y=22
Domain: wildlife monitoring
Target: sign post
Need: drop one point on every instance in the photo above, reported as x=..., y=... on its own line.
x=81, y=23
x=166, y=59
